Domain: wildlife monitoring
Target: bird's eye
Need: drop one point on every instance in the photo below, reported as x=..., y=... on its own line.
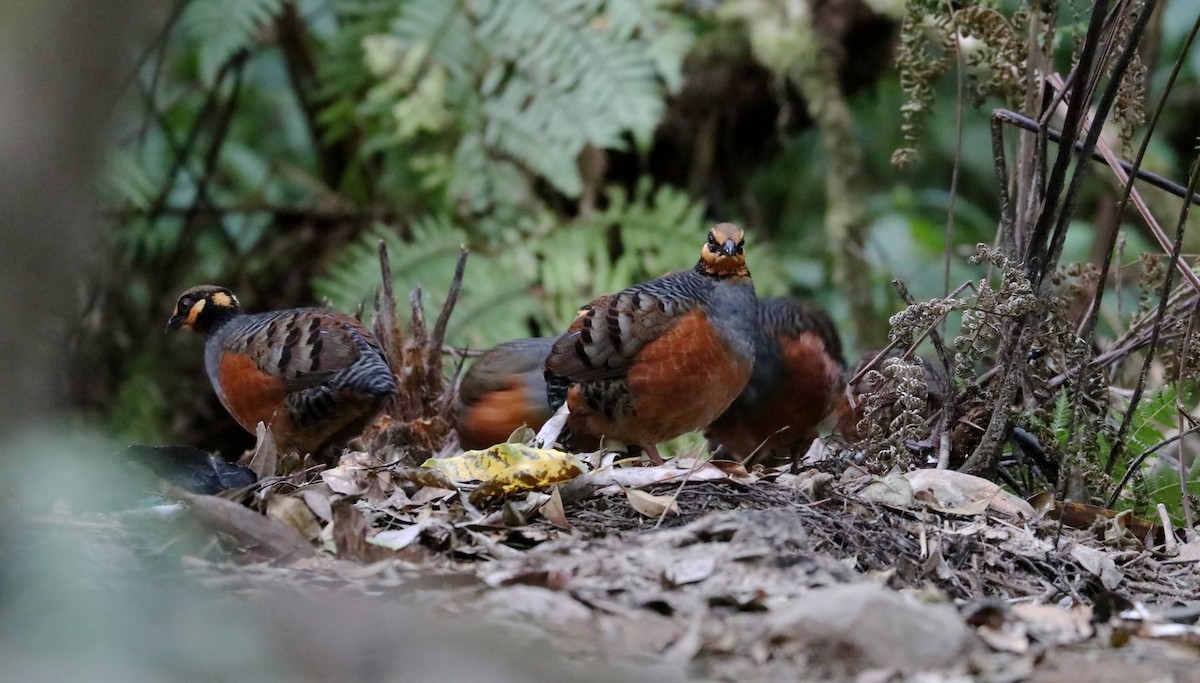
x=712, y=239
x=186, y=302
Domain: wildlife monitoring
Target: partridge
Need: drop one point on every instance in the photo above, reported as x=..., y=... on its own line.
x=795, y=384
x=663, y=357
x=504, y=389
x=315, y=377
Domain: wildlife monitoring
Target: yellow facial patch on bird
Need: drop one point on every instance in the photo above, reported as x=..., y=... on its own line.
x=193, y=313
x=723, y=254
x=224, y=300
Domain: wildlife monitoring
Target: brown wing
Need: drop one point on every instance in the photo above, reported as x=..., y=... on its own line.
x=609, y=332
x=496, y=369
x=302, y=347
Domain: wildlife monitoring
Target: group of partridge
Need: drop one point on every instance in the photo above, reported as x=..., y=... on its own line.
x=692, y=350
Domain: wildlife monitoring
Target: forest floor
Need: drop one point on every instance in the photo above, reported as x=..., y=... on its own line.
x=693, y=571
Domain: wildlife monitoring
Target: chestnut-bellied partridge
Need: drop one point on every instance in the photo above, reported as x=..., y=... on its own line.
x=663, y=357
x=796, y=383
x=504, y=389
x=315, y=377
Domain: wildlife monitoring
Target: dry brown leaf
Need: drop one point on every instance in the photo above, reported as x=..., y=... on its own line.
x=641, y=477
x=428, y=494
x=814, y=484
x=1099, y=564
x=399, y=539
x=1187, y=635
x=317, y=499
x=265, y=459
x=1042, y=502
x=967, y=509
x=523, y=434
x=958, y=493
x=1188, y=552
x=892, y=490
x=1083, y=516
x=1053, y=624
x=351, y=530
x=1008, y=636
x=252, y=530
x=553, y=510
x=295, y=513
x=424, y=476
x=344, y=479
x=650, y=505
x=732, y=468
x=361, y=474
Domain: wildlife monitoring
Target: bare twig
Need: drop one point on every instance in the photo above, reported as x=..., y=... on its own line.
x=334, y=156
x=1107, y=99
x=157, y=49
x=960, y=80
x=1133, y=170
x=1049, y=233
x=1036, y=256
x=1168, y=528
x=233, y=66
x=1007, y=219
x=1025, y=123
x=437, y=341
x=1127, y=421
x=202, y=117
x=1184, y=496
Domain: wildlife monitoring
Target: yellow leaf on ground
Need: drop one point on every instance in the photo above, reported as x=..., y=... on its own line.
x=530, y=475
x=508, y=468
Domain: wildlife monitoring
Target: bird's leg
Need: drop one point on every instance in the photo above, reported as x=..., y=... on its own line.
x=652, y=453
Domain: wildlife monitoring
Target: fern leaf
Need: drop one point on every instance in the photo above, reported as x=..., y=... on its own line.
x=220, y=28
x=495, y=303
x=1061, y=417
x=1154, y=417
x=524, y=280
x=547, y=76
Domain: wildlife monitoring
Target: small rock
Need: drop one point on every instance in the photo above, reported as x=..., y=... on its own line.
x=868, y=627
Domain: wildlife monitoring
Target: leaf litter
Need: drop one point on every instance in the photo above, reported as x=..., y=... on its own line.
x=739, y=576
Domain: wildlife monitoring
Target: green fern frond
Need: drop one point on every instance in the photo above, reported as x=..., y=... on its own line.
x=344, y=77
x=541, y=78
x=495, y=304
x=1061, y=417
x=220, y=28
x=1155, y=416
x=651, y=232
x=530, y=278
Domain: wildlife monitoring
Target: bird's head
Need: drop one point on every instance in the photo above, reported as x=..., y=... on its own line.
x=203, y=308
x=723, y=254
